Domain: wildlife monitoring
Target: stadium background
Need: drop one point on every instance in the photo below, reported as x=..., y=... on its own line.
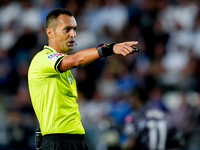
x=168, y=32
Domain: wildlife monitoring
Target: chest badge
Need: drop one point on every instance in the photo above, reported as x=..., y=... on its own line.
x=70, y=79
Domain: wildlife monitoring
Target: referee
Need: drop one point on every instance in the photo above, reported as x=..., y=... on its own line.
x=52, y=86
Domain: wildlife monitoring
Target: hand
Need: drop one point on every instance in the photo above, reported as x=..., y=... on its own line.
x=125, y=48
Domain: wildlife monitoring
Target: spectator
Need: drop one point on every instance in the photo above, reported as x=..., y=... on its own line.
x=149, y=127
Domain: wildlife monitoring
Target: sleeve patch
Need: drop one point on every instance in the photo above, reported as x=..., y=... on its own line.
x=54, y=56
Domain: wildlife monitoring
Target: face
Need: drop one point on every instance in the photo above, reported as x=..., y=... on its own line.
x=135, y=102
x=62, y=38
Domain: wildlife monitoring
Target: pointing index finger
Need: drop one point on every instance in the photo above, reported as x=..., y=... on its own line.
x=132, y=43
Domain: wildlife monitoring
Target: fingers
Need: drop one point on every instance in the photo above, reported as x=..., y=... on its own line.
x=128, y=48
x=131, y=43
x=125, y=48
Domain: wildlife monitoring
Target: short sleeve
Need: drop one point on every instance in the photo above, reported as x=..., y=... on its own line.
x=49, y=63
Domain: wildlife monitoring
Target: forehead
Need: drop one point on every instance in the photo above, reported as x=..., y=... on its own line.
x=65, y=20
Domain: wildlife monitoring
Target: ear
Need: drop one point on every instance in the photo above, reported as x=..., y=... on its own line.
x=50, y=33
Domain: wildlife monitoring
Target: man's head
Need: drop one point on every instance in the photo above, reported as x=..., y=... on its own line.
x=138, y=97
x=61, y=29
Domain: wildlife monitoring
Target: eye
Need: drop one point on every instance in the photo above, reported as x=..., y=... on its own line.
x=75, y=28
x=68, y=29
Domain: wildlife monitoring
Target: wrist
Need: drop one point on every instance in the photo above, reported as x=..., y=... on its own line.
x=105, y=50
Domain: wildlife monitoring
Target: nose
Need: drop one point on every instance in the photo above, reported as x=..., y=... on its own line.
x=72, y=33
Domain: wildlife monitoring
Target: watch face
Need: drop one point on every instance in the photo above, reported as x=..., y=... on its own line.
x=101, y=45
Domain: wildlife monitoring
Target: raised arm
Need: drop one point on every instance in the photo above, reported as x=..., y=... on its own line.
x=87, y=56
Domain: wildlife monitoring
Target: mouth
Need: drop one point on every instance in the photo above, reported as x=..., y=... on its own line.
x=71, y=42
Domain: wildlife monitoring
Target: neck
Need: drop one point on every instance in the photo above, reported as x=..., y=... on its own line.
x=56, y=48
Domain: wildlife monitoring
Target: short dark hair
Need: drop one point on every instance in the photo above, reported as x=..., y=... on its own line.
x=141, y=93
x=53, y=14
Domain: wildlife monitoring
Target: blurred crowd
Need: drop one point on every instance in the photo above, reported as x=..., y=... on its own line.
x=167, y=66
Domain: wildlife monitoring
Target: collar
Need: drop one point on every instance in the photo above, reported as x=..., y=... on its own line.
x=49, y=48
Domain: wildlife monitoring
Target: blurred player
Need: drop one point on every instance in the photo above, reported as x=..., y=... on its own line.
x=53, y=87
x=149, y=128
